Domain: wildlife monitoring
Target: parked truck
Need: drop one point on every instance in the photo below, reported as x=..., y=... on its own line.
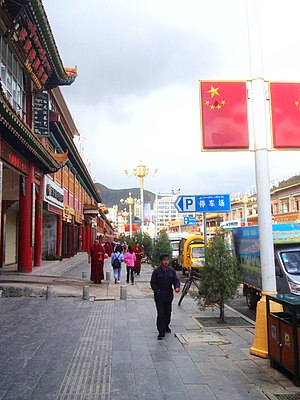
x=286, y=238
x=191, y=253
x=174, y=238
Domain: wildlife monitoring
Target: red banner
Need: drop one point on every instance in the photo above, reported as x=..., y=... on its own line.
x=285, y=114
x=224, y=115
x=134, y=228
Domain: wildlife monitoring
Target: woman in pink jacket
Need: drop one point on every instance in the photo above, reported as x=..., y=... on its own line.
x=129, y=259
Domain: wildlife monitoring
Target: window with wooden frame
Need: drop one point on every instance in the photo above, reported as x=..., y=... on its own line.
x=71, y=182
x=66, y=177
x=285, y=205
x=58, y=176
x=76, y=188
x=297, y=203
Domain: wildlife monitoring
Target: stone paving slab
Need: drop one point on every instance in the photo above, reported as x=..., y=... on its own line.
x=67, y=348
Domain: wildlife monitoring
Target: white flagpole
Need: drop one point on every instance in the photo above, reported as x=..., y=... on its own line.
x=260, y=130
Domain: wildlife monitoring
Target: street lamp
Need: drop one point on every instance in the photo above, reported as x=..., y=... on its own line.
x=141, y=171
x=124, y=215
x=129, y=201
x=115, y=214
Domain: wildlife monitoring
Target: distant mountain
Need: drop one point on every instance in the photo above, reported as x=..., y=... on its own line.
x=111, y=197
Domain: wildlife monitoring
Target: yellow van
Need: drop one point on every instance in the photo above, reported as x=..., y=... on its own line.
x=191, y=253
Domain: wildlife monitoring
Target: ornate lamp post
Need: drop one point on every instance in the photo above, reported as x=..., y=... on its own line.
x=124, y=215
x=129, y=201
x=141, y=171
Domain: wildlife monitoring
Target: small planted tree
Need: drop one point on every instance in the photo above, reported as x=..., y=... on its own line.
x=161, y=245
x=221, y=275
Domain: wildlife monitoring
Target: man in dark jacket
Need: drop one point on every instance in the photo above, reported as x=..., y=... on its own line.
x=163, y=280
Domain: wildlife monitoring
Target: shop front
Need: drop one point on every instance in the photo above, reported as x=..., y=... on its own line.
x=69, y=233
x=80, y=230
x=286, y=217
x=90, y=212
x=14, y=170
x=21, y=195
x=52, y=220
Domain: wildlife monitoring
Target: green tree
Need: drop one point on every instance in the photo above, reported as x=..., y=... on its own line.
x=147, y=245
x=161, y=245
x=221, y=275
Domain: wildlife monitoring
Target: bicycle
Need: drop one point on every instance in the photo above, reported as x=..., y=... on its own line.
x=194, y=277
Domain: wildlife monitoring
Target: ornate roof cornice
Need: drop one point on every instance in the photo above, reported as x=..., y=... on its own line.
x=64, y=76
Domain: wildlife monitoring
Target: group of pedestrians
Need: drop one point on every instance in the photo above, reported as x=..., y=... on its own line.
x=131, y=256
x=132, y=259
x=116, y=262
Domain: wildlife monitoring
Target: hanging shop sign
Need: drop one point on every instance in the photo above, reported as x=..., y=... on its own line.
x=13, y=158
x=66, y=214
x=53, y=193
x=41, y=113
x=54, y=209
x=78, y=217
x=24, y=37
x=90, y=209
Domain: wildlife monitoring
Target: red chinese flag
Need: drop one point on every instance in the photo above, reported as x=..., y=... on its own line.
x=285, y=114
x=127, y=227
x=224, y=115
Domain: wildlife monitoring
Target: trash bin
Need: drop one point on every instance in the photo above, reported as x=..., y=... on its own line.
x=284, y=334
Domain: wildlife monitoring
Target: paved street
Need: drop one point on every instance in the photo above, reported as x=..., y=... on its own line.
x=68, y=348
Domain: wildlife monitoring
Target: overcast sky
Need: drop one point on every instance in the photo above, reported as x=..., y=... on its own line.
x=136, y=96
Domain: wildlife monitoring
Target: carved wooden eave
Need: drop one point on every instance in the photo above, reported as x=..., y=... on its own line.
x=60, y=158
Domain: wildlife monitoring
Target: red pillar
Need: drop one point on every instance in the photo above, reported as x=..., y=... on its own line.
x=59, y=236
x=88, y=236
x=70, y=240
x=39, y=225
x=25, y=222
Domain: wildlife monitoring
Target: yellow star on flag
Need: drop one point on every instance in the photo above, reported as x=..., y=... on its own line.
x=213, y=91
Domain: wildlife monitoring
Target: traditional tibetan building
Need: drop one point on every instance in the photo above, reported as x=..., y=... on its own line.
x=48, y=201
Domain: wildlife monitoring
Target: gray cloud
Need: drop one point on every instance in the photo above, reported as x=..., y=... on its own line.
x=129, y=57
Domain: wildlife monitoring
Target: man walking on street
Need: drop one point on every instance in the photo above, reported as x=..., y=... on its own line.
x=163, y=280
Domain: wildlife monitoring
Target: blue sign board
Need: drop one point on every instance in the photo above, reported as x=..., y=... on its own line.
x=203, y=203
x=189, y=221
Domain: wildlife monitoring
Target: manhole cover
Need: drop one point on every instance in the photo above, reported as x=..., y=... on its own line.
x=288, y=396
x=213, y=322
x=199, y=338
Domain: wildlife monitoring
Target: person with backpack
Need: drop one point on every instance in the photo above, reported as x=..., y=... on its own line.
x=129, y=259
x=116, y=262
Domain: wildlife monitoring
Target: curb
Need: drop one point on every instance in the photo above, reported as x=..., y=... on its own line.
x=21, y=291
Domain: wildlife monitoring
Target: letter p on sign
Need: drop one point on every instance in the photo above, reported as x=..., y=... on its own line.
x=189, y=204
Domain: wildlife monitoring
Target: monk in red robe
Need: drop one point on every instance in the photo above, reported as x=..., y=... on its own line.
x=96, y=259
x=138, y=250
x=108, y=248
